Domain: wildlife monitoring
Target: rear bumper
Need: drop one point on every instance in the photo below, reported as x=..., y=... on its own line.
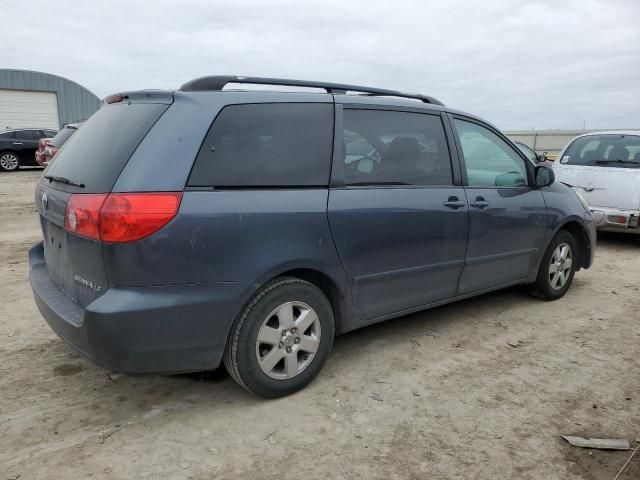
x=616, y=219
x=142, y=329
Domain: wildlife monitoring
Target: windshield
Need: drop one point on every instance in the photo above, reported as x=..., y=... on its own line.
x=604, y=150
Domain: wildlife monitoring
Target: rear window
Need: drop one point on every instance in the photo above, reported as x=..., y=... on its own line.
x=62, y=136
x=604, y=150
x=96, y=154
x=267, y=145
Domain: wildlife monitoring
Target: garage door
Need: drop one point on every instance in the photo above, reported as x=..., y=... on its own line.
x=27, y=109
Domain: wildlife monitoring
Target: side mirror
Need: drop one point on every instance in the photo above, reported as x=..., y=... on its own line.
x=541, y=157
x=544, y=176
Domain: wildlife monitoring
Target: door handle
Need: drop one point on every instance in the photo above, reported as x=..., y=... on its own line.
x=17, y=143
x=479, y=202
x=454, y=202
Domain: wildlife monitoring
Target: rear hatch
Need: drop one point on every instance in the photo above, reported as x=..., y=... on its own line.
x=604, y=186
x=606, y=166
x=90, y=163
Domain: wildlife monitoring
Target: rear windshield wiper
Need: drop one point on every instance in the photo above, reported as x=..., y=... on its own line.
x=600, y=162
x=66, y=181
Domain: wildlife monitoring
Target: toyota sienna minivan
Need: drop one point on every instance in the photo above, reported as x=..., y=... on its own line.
x=183, y=229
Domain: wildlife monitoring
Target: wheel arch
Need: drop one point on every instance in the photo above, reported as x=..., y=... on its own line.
x=8, y=150
x=335, y=289
x=579, y=232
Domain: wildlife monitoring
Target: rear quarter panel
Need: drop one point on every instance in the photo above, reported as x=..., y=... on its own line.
x=245, y=236
x=240, y=236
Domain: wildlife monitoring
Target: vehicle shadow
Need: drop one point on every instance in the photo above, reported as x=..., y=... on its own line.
x=426, y=323
x=618, y=239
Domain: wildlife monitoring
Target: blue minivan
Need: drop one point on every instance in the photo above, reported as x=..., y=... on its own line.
x=187, y=228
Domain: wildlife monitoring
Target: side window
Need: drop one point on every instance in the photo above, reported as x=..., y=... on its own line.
x=261, y=145
x=28, y=135
x=394, y=148
x=7, y=135
x=489, y=160
x=24, y=135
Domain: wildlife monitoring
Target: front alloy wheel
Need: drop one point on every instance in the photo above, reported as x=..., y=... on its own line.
x=9, y=161
x=561, y=266
x=557, y=267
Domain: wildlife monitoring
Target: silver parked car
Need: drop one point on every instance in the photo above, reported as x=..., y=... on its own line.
x=605, y=168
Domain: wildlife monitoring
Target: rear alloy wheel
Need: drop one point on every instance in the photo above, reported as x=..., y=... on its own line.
x=288, y=340
x=282, y=339
x=9, y=161
x=557, y=269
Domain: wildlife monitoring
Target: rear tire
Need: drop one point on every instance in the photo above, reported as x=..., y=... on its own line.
x=9, y=161
x=557, y=268
x=282, y=339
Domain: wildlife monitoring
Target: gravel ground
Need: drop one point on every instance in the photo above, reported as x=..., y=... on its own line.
x=479, y=389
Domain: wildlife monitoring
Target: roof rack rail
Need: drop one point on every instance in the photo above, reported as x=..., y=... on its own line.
x=217, y=82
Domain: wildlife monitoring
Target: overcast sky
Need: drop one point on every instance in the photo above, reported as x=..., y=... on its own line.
x=519, y=64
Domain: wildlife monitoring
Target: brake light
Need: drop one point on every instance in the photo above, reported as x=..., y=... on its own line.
x=83, y=213
x=120, y=217
x=115, y=98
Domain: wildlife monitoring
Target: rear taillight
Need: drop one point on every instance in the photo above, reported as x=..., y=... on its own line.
x=120, y=217
x=618, y=219
x=82, y=215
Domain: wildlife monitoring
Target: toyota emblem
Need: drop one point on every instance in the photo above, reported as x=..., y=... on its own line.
x=44, y=201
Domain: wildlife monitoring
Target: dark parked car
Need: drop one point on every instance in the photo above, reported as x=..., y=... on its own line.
x=48, y=147
x=18, y=147
x=186, y=228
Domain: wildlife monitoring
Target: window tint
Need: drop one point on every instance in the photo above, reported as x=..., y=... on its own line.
x=604, y=150
x=7, y=135
x=28, y=135
x=489, y=160
x=96, y=153
x=283, y=144
x=394, y=148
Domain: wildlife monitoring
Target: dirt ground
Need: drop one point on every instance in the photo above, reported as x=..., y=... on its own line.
x=480, y=389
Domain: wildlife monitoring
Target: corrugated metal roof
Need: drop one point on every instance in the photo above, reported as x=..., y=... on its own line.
x=75, y=102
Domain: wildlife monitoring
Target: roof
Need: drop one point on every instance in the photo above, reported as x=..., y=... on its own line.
x=612, y=132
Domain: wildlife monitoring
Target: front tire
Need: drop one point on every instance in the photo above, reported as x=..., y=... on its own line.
x=282, y=339
x=9, y=162
x=557, y=268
